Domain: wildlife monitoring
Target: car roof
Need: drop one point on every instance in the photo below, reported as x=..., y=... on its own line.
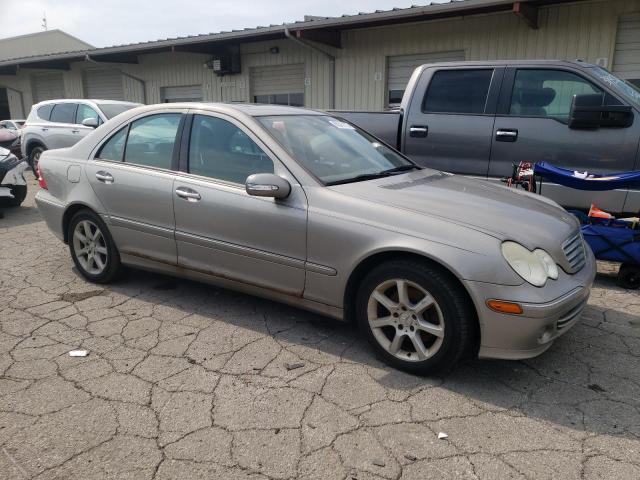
x=515, y=63
x=84, y=100
x=248, y=109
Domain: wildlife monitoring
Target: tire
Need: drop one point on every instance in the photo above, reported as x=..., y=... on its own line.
x=34, y=157
x=101, y=263
x=19, y=193
x=446, y=328
x=629, y=276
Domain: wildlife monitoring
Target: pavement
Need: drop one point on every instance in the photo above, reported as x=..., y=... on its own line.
x=188, y=381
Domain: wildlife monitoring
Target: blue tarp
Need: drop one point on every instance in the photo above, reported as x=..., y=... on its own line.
x=616, y=244
x=594, y=182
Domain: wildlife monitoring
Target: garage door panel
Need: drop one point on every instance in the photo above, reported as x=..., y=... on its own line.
x=627, y=55
x=183, y=93
x=48, y=86
x=103, y=84
x=277, y=79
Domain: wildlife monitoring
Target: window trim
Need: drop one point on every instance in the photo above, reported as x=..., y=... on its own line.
x=186, y=145
x=492, y=92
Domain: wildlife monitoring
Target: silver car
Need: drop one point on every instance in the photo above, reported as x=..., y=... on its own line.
x=61, y=123
x=304, y=208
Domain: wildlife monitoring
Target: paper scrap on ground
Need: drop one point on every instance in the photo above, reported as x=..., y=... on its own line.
x=442, y=435
x=78, y=353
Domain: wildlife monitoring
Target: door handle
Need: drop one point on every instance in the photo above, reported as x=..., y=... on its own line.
x=188, y=194
x=506, y=135
x=418, y=131
x=45, y=129
x=75, y=131
x=104, y=177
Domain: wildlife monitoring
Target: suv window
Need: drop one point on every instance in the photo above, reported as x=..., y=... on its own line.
x=44, y=112
x=114, y=148
x=547, y=93
x=218, y=149
x=458, y=91
x=151, y=140
x=64, y=113
x=84, y=112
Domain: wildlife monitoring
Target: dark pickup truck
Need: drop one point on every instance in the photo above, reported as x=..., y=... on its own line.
x=479, y=118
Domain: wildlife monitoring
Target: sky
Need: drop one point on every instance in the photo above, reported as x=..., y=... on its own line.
x=112, y=22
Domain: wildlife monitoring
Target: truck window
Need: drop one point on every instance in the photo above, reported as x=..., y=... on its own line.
x=548, y=93
x=458, y=91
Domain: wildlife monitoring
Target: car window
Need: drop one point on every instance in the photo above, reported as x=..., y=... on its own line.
x=547, y=93
x=44, y=112
x=458, y=91
x=63, y=113
x=84, y=112
x=7, y=125
x=218, y=149
x=110, y=110
x=114, y=148
x=151, y=140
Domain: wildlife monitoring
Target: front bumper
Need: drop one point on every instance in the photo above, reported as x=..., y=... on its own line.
x=12, y=177
x=548, y=313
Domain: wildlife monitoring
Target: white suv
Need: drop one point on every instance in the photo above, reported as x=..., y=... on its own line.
x=62, y=123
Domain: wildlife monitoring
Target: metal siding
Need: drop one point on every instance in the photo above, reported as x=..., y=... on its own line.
x=627, y=56
x=185, y=93
x=103, y=84
x=401, y=67
x=47, y=86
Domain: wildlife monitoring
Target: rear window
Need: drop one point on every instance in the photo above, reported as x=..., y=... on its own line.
x=44, y=112
x=110, y=110
x=64, y=113
x=458, y=91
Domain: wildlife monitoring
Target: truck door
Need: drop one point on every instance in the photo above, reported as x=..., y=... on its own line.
x=532, y=126
x=450, y=118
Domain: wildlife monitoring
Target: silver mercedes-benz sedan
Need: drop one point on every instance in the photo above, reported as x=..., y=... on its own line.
x=304, y=208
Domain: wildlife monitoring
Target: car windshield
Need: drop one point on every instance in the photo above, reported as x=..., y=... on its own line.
x=333, y=150
x=626, y=88
x=112, y=109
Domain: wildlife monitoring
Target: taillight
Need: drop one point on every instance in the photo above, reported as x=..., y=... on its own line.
x=41, y=180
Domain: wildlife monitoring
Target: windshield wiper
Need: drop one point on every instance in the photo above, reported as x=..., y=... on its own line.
x=372, y=176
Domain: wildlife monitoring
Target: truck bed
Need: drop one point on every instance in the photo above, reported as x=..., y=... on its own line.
x=384, y=125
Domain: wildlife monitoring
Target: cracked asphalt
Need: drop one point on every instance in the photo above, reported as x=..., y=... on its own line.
x=188, y=381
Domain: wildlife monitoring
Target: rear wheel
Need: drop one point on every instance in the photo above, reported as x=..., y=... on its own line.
x=92, y=248
x=629, y=276
x=416, y=317
x=34, y=158
x=19, y=193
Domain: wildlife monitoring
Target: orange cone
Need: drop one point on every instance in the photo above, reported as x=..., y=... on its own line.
x=595, y=212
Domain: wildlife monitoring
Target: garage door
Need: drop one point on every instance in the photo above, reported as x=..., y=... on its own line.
x=627, y=57
x=47, y=86
x=281, y=84
x=105, y=84
x=189, y=93
x=400, y=68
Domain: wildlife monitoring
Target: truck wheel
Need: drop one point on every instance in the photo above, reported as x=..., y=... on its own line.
x=34, y=158
x=19, y=193
x=92, y=248
x=629, y=276
x=415, y=316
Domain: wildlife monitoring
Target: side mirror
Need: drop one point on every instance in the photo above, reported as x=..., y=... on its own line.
x=90, y=122
x=588, y=112
x=267, y=185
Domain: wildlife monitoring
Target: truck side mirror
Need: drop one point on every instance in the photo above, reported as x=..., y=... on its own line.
x=588, y=112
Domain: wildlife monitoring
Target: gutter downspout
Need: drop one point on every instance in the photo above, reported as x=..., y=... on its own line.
x=331, y=58
x=21, y=93
x=123, y=73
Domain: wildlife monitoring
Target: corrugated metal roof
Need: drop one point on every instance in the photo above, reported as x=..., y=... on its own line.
x=345, y=21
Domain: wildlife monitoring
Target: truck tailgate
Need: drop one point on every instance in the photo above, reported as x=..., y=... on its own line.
x=384, y=125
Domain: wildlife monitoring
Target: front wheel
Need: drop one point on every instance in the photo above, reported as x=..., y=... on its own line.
x=34, y=159
x=92, y=248
x=629, y=276
x=416, y=317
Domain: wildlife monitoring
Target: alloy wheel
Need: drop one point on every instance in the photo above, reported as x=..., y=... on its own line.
x=406, y=320
x=90, y=247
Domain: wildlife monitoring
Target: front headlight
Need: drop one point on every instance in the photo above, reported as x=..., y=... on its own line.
x=534, y=267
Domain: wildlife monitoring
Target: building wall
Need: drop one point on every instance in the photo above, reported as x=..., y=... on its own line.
x=40, y=43
x=585, y=30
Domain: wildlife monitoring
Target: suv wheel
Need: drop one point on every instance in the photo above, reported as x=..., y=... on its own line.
x=415, y=316
x=34, y=158
x=92, y=248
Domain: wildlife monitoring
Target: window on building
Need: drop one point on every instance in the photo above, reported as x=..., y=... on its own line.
x=292, y=99
x=114, y=148
x=220, y=150
x=458, y=91
x=549, y=93
x=151, y=140
x=84, y=112
x=64, y=113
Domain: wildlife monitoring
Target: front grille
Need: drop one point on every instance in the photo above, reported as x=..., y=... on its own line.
x=573, y=249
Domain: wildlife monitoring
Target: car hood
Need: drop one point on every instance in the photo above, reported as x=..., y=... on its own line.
x=504, y=213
